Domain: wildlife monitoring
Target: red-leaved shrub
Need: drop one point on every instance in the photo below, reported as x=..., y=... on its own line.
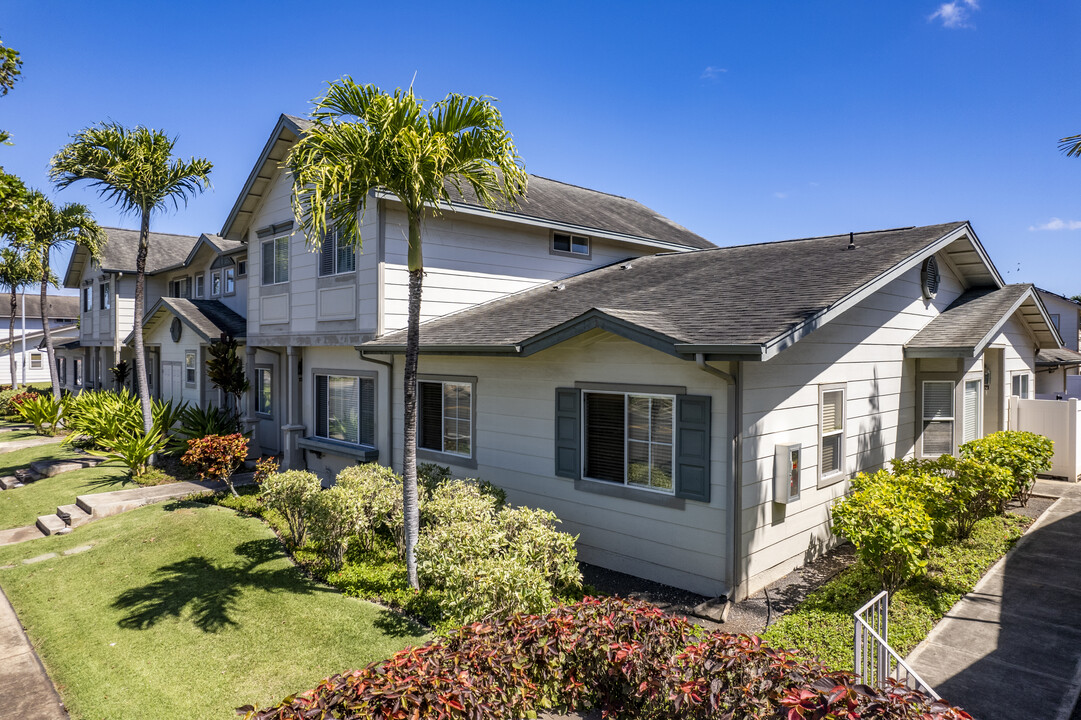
x=216, y=457
x=625, y=657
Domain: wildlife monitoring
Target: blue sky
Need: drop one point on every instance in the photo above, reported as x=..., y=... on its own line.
x=745, y=122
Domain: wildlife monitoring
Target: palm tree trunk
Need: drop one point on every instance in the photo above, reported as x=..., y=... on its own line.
x=140, y=302
x=411, y=502
x=50, y=353
x=11, y=333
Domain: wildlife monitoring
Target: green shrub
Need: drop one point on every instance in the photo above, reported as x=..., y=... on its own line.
x=885, y=517
x=196, y=422
x=104, y=415
x=378, y=495
x=289, y=494
x=9, y=398
x=42, y=411
x=1024, y=454
x=333, y=517
x=132, y=451
x=456, y=501
x=430, y=476
x=970, y=491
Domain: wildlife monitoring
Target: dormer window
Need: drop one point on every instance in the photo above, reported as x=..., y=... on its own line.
x=336, y=255
x=567, y=244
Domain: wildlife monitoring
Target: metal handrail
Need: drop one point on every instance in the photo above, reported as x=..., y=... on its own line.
x=873, y=658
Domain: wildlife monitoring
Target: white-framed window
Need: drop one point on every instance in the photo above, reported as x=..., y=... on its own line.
x=1020, y=385
x=345, y=408
x=628, y=439
x=230, y=280
x=189, y=368
x=35, y=361
x=180, y=288
x=973, y=404
x=276, y=261
x=78, y=372
x=938, y=417
x=1056, y=320
x=831, y=460
x=215, y=283
x=106, y=297
x=565, y=243
x=242, y=268
x=88, y=298
x=336, y=255
x=200, y=285
x=445, y=416
x=264, y=394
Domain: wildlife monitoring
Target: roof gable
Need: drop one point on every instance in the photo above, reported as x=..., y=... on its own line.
x=209, y=319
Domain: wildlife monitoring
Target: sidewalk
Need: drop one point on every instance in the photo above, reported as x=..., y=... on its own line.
x=1011, y=648
x=25, y=688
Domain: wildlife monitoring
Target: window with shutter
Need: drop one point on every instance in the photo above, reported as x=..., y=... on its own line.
x=937, y=417
x=971, y=429
x=567, y=433
x=629, y=439
x=832, y=451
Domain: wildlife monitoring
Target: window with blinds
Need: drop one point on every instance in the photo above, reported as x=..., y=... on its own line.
x=832, y=431
x=629, y=439
x=445, y=421
x=336, y=255
x=937, y=417
x=345, y=408
x=971, y=428
x=275, y=261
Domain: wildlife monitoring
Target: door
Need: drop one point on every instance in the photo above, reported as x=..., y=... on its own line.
x=268, y=409
x=172, y=381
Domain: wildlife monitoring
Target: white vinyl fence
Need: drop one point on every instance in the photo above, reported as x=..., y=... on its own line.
x=1058, y=420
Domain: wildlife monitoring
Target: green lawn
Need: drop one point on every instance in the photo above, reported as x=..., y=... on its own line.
x=16, y=435
x=186, y=610
x=21, y=506
x=822, y=625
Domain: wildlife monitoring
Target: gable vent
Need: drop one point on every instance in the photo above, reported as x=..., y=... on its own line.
x=930, y=277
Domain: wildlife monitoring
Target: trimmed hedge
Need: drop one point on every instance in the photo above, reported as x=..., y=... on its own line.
x=625, y=657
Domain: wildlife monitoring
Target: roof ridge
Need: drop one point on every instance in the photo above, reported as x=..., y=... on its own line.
x=153, y=232
x=806, y=239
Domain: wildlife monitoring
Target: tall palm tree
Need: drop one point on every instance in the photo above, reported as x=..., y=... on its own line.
x=1070, y=145
x=363, y=139
x=49, y=230
x=136, y=170
x=16, y=271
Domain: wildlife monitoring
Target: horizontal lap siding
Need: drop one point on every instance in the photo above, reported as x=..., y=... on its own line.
x=514, y=449
x=863, y=348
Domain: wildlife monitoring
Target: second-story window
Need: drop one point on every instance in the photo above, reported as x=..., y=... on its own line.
x=570, y=244
x=200, y=286
x=215, y=283
x=180, y=288
x=276, y=261
x=106, y=299
x=336, y=255
x=230, y=281
x=88, y=298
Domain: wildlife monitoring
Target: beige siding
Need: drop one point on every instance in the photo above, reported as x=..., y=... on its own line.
x=174, y=352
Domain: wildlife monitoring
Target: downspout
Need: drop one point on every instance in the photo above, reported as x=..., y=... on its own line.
x=389, y=365
x=735, y=492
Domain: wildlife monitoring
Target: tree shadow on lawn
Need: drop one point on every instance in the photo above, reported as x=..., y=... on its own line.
x=209, y=591
x=394, y=624
x=115, y=482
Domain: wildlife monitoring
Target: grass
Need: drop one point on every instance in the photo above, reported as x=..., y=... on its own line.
x=21, y=506
x=822, y=625
x=16, y=459
x=186, y=610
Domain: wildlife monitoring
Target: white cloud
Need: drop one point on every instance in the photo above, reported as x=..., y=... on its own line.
x=712, y=73
x=955, y=14
x=780, y=195
x=1056, y=224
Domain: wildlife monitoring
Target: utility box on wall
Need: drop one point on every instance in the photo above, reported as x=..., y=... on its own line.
x=786, y=467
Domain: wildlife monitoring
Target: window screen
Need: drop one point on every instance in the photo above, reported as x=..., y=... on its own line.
x=937, y=417
x=833, y=419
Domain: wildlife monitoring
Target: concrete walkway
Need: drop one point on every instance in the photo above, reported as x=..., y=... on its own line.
x=25, y=689
x=26, y=442
x=1011, y=648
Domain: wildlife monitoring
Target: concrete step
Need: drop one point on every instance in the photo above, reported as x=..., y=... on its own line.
x=73, y=515
x=50, y=468
x=112, y=503
x=26, y=475
x=52, y=525
x=21, y=534
x=7, y=482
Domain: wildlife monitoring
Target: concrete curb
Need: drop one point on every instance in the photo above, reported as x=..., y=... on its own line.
x=48, y=707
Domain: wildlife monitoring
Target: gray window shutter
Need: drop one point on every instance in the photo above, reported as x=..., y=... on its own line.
x=568, y=444
x=327, y=252
x=692, y=446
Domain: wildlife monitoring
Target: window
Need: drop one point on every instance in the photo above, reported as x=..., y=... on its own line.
x=336, y=254
x=180, y=288
x=1056, y=320
x=35, y=361
x=1020, y=385
x=937, y=417
x=345, y=408
x=88, y=298
x=200, y=286
x=570, y=244
x=230, y=281
x=263, y=394
x=973, y=393
x=189, y=368
x=446, y=417
x=276, y=261
x=78, y=372
x=629, y=439
x=106, y=299
x=62, y=370
x=241, y=268
x=832, y=451
x=215, y=283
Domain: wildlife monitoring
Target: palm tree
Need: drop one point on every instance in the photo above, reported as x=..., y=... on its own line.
x=16, y=270
x=1070, y=145
x=363, y=139
x=49, y=230
x=136, y=170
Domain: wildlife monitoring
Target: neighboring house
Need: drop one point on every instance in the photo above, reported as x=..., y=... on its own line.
x=63, y=312
x=1055, y=367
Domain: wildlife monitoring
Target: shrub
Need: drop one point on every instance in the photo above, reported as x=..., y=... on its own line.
x=623, y=657
x=216, y=457
x=264, y=468
x=333, y=517
x=1024, y=454
x=886, y=519
x=378, y=493
x=456, y=501
x=197, y=422
x=41, y=411
x=430, y=476
x=105, y=416
x=132, y=451
x=289, y=493
x=971, y=491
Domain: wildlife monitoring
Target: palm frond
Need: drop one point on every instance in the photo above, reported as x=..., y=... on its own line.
x=1070, y=145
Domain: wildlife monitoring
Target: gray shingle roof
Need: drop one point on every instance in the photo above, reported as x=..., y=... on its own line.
x=60, y=306
x=209, y=318
x=970, y=319
x=1054, y=357
x=166, y=250
x=738, y=296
